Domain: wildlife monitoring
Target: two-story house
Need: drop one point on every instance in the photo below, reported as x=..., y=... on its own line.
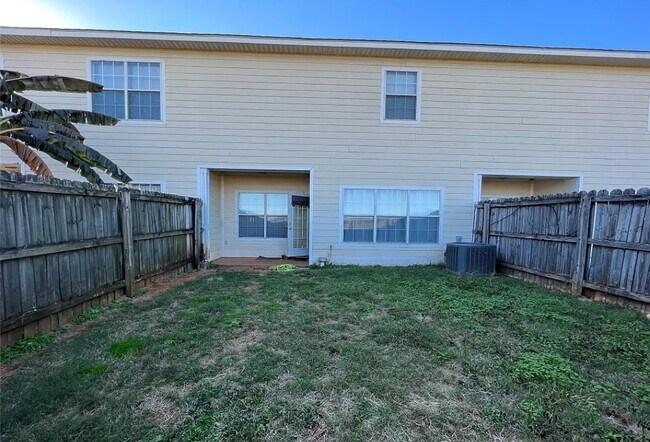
x=368, y=152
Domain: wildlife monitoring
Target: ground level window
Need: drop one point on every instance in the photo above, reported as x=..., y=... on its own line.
x=150, y=187
x=263, y=215
x=391, y=215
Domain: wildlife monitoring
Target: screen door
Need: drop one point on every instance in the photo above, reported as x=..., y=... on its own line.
x=299, y=226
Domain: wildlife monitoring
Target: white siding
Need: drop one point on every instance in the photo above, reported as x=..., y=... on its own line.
x=324, y=113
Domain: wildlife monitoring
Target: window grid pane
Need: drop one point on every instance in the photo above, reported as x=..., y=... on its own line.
x=401, y=83
x=144, y=76
x=358, y=228
x=251, y=204
x=391, y=202
x=144, y=105
x=423, y=229
x=424, y=202
x=391, y=229
x=277, y=226
x=110, y=74
x=277, y=204
x=359, y=202
x=109, y=103
x=251, y=226
x=400, y=107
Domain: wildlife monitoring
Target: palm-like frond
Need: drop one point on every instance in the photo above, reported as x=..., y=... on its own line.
x=27, y=156
x=50, y=83
x=15, y=103
x=86, y=153
x=62, y=116
x=60, y=154
x=23, y=120
x=8, y=75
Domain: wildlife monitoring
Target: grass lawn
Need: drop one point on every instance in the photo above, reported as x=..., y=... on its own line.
x=346, y=353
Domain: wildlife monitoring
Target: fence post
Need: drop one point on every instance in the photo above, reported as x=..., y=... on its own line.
x=584, y=221
x=197, y=232
x=127, y=238
x=485, y=237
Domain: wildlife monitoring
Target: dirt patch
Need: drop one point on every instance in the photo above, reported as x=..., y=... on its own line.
x=159, y=287
x=427, y=404
x=454, y=373
x=619, y=419
x=73, y=330
x=160, y=409
x=242, y=342
x=6, y=370
x=284, y=379
x=252, y=288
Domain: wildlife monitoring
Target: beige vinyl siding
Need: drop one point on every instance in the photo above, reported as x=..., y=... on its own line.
x=547, y=187
x=513, y=187
x=324, y=113
x=495, y=188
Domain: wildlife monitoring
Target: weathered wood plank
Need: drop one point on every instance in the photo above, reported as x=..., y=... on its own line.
x=538, y=237
x=8, y=255
x=127, y=244
x=584, y=218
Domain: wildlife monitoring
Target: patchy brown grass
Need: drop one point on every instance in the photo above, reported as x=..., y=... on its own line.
x=157, y=407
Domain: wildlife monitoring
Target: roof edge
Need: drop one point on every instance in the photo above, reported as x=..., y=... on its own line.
x=322, y=46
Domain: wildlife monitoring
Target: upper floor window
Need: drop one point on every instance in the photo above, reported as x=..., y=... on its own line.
x=132, y=90
x=391, y=215
x=400, y=98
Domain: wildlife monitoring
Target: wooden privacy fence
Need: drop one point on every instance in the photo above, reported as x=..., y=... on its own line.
x=595, y=243
x=66, y=246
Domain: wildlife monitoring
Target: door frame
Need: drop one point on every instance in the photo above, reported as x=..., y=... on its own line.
x=203, y=192
x=290, y=249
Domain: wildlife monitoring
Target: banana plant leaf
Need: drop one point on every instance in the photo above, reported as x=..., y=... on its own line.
x=23, y=120
x=80, y=150
x=8, y=75
x=27, y=156
x=50, y=83
x=62, y=116
x=61, y=155
x=15, y=103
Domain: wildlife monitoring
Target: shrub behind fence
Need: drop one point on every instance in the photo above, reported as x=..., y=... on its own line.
x=66, y=246
x=597, y=242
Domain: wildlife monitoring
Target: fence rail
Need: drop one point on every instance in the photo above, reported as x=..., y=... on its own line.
x=65, y=244
x=598, y=241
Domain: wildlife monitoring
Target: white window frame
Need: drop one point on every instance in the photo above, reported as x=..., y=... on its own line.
x=125, y=60
x=387, y=245
x=418, y=98
x=261, y=239
x=161, y=183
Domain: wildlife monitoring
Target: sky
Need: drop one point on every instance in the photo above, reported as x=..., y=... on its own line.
x=605, y=24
